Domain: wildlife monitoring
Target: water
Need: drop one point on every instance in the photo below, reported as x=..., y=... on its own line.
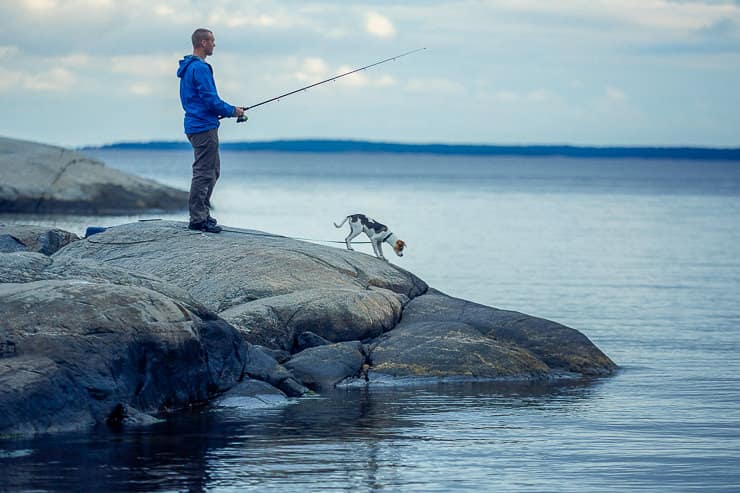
x=641, y=256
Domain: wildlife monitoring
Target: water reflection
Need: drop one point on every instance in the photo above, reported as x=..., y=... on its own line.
x=354, y=438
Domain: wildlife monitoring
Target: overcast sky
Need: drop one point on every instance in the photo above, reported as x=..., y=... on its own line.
x=584, y=72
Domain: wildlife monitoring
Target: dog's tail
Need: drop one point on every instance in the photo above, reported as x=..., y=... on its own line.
x=342, y=223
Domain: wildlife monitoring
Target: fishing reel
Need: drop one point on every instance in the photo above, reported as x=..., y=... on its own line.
x=241, y=119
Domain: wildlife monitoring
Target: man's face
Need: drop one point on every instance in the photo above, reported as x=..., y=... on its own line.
x=209, y=44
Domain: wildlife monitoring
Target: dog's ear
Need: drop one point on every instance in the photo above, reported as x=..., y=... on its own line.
x=400, y=245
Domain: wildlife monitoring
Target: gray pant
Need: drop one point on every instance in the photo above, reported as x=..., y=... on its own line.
x=206, y=170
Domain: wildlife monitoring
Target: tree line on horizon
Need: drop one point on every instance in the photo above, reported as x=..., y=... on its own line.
x=328, y=146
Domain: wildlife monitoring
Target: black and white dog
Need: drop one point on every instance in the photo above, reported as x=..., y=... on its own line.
x=378, y=233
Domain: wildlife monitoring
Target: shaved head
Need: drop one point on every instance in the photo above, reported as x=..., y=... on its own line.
x=199, y=35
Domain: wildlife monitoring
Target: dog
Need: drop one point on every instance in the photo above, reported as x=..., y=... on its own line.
x=378, y=234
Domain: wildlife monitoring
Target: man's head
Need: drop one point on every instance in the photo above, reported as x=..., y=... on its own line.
x=203, y=42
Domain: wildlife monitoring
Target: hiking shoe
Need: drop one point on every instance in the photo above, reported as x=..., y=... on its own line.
x=212, y=221
x=205, y=226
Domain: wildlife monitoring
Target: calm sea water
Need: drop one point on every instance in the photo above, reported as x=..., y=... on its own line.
x=641, y=256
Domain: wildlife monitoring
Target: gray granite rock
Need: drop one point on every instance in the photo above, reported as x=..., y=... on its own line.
x=21, y=237
x=90, y=347
x=252, y=394
x=331, y=314
x=271, y=288
x=323, y=367
x=261, y=365
x=24, y=267
x=491, y=342
x=445, y=349
x=9, y=244
x=275, y=290
x=308, y=339
x=38, y=178
x=238, y=266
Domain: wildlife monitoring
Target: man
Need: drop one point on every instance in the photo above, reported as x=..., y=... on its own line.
x=203, y=108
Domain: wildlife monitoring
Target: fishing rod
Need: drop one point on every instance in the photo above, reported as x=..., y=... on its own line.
x=243, y=118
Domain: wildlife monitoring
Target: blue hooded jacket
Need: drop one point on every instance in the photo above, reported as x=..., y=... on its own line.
x=199, y=97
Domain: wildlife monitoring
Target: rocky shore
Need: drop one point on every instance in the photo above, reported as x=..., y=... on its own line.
x=39, y=178
x=147, y=318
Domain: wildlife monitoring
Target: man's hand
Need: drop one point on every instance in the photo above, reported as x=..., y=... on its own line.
x=240, y=114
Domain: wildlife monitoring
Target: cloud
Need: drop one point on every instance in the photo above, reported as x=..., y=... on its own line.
x=164, y=10
x=7, y=52
x=534, y=96
x=614, y=108
x=538, y=95
x=315, y=69
x=252, y=19
x=379, y=26
x=719, y=38
x=615, y=94
x=75, y=60
x=9, y=81
x=152, y=66
x=56, y=79
x=660, y=14
x=39, y=5
x=720, y=28
x=358, y=79
x=506, y=96
x=52, y=80
x=312, y=69
x=386, y=81
x=141, y=89
x=53, y=8
x=434, y=86
x=365, y=79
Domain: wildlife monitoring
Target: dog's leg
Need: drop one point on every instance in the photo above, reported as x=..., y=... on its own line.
x=377, y=246
x=355, y=229
x=348, y=240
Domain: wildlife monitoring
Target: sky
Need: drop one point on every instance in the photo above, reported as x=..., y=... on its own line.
x=511, y=72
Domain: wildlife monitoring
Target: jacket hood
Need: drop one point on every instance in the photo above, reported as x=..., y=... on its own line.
x=185, y=63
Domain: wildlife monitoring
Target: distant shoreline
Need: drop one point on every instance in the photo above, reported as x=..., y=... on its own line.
x=358, y=146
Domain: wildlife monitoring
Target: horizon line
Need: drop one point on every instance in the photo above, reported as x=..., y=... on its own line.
x=365, y=146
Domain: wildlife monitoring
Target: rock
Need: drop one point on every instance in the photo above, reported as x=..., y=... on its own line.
x=541, y=345
x=308, y=339
x=9, y=244
x=38, y=178
x=251, y=394
x=271, y=288
x=238, y=266
x=445, y=349
x=284, y=294
x=150, y=317
x=20, y=237
x=279, y=355
x=26, y=267
x=322, y=367
x=332, y=315
x=40, y=395
x=124, y=415
x=90, y=351
x=262, y=366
